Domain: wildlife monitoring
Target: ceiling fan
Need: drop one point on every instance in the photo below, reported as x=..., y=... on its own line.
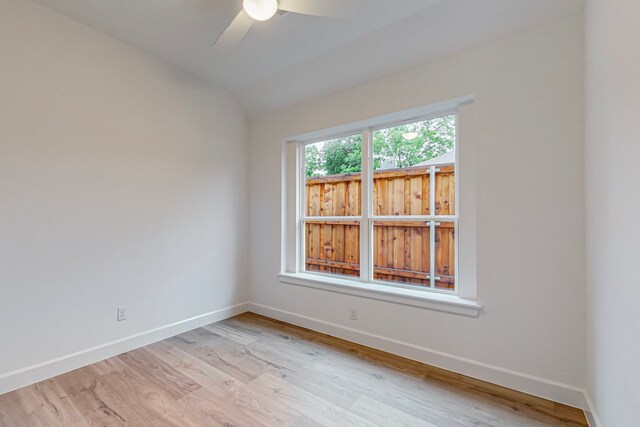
x=262, y=10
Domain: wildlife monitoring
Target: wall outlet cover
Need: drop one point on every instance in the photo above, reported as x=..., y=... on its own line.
x=122, y=314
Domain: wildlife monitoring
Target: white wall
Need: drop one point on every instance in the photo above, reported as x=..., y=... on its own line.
x=613, y=209
x=122, y=182
x=528, y=138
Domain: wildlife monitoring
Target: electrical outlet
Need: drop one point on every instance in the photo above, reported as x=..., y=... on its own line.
x=122, y=314
x=353, y=313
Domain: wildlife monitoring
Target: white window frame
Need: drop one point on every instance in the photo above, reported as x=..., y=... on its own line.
x=367, y=217
x=365, y=284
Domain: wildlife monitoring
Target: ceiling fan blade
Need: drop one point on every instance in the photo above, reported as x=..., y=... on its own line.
x=235, y=32
x=331, y=8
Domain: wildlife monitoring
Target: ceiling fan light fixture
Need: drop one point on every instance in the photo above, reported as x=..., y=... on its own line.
x=410, y=136
x=260, y=10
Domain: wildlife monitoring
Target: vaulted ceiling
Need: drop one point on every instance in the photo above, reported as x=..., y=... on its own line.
x=295, y=58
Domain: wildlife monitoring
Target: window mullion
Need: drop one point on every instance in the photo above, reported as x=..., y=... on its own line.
x=302, y=211
x=432, y=190
x=432, y=254
x=432, y=227
x=369, y=213
x=365, y=232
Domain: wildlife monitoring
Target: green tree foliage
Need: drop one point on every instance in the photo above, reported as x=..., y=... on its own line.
x=435, y=137
x=313, y=160
x=343, y=155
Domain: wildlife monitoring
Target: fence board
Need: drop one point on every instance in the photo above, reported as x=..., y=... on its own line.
x=445, y=194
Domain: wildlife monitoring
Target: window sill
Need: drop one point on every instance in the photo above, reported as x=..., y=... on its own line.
x=415, y=298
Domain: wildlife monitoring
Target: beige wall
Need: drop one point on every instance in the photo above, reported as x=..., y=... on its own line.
x=527, y=134
x=613, y=209
x=122, y=182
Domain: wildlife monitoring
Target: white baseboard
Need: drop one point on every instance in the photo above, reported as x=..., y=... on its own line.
x=590, y=412
x=558, y=392
x=42, y=371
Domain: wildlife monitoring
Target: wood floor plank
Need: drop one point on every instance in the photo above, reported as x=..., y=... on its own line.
x=93, y=398
x=237, y=408
x=46, y=404
x=322, y=386
x=220, y=352
x=220, y=388
x=423, y=405
x=503, y=399
x=173, y=382
x=231, y=333
x=152, y=404
x=253, y=371
x=302, y=403
x=11, y=411
x=282, y=359
x=385, y=415
x=418, y=396
x=109, y=366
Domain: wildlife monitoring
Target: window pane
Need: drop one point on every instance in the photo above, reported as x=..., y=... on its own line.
x=333, y=177
x=401, y=252
x=402, y=158
x=445, y=191
x=445, y=256
x=333, y=247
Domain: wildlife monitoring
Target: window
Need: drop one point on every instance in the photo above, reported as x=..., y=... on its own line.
x=378, y=205
x=333, y=205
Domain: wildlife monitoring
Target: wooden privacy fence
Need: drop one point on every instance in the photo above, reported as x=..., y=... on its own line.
x=401, y=250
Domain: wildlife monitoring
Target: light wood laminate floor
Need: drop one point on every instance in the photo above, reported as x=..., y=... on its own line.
x=254, y=371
